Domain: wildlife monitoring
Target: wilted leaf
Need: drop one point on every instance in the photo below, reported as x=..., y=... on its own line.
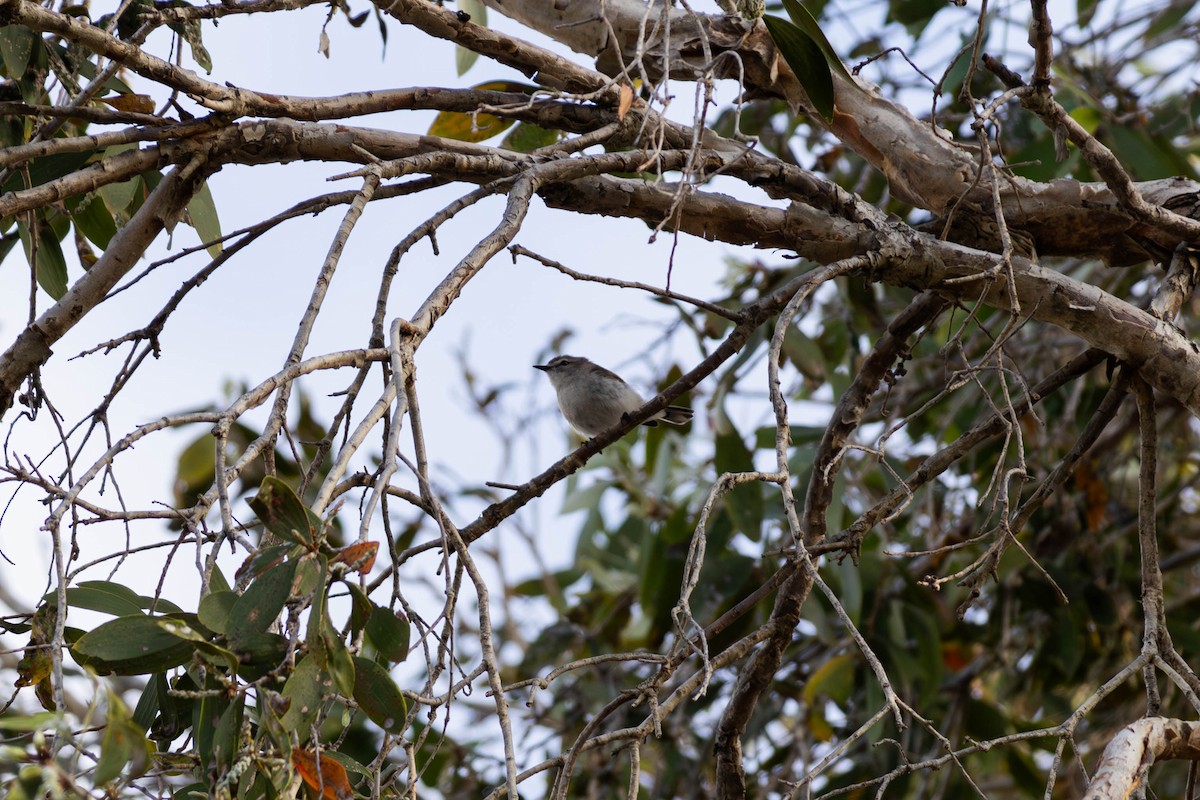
x=325, y=776
x=625, y=101
x=133, y=103
x=359, y=557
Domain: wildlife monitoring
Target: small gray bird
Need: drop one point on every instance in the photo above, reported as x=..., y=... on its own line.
x=594, y=399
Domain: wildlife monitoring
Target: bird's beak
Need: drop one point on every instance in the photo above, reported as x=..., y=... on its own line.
x=542, y=367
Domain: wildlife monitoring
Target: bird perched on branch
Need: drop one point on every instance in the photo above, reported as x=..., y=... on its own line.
x=594, y=399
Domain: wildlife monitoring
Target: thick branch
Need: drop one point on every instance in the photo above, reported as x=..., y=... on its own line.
x=159, y=211
x=1128, y=757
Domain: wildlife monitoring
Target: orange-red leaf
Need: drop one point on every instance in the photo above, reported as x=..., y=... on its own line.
x=331, y=780
x=359, y=556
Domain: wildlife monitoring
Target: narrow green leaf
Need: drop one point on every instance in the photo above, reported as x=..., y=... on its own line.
x=807, y=23
x=48, y=168
x=202, y=212
x=95, y=221
x=119, y=196
x=807, y=61
x=225, y=737
x=261, y=603
x=259, y=653
x=338, y=660
x=206, y=718
x=464, y=59
x=306, y=690
x=51, y=265
x=124, y=743
x=1084, y=11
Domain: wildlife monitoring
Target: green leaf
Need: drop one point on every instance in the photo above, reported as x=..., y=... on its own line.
x=95, y=221
x=744, y=502
x=284, y=515
x=261, y=603
x=202, y=212
x=264, y=559
x=1149, y=156
x=914, y=15
x=1084, y=11
x=588, y=497
x=1167, y=20
x=465, y=58
x=338, y=660
x=466, y=127
x=808, y=24
x=206, y=718
x=51, y=265
x=804, y=354
x=133, y=645
x=189, y=30
x=16, y=46
x=377, y=695
x=390, y=633
x=216, y=609
x=807, y=61
x=834, y=679
x=25, y=724
x=360, y=608
x=527, y=137
x=149, y=703
x=103, y=596
x=123, y=743
x=120, y=196
x=306, y=690
x=259, y=653
x=48, y=168
x=226, y=735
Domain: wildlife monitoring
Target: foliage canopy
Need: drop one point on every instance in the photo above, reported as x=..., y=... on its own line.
x=932, y=535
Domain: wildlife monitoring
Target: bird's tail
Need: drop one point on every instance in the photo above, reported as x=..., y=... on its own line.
x=677, y=415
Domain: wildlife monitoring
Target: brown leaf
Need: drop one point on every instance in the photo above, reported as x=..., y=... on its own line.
x=138, y=103
x=331, y=780
x=359, y=556
x=625, y=101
